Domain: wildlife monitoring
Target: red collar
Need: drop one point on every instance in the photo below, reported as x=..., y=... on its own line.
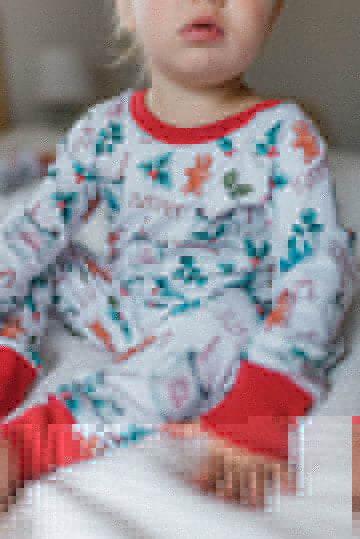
x=189, y=135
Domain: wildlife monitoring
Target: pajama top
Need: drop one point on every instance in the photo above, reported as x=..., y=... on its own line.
x=245, y=202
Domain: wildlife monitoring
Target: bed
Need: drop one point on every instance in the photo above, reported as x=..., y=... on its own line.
x=139, y=491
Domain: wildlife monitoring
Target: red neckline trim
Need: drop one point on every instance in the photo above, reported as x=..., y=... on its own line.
x=190, y=135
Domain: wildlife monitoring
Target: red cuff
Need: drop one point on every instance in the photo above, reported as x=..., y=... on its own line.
x=45, y=439
x=16, y=375
x=257, y=412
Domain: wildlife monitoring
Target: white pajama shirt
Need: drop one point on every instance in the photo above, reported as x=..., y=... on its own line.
x=221, y=292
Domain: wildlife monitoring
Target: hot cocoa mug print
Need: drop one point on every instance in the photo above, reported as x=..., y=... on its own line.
x=175, y=389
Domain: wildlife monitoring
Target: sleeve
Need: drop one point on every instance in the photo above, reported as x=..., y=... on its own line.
x=285, y=372
x=79, y=421
x=45, y=437
x=32, y=236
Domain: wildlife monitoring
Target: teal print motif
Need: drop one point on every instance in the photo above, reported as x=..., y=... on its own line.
x=133, y=434
x=207, y=236
x=155, y=169
x=278, y=180
x=247, y=284
x=299, y=353
x=108, y=138
x=40, y=282
x=64, y=201
x=106, y=409
x=317, y=368
x=227, y=269
x=271, y=136
x=71, y=400
x=36, y=282
x=254, y=254
x=35, y=359
x=116, y=315
x=111, y=200
x=164, y=289
x=234, y=189
x=187, y=306
x=189, y=272
x=69, y=308
x=226, y=145
x=75, y=394
x=80, y=173
x=52, y=171
x=220, y=229
x=308, y=217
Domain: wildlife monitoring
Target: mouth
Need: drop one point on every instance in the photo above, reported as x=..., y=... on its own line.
x=203, y=24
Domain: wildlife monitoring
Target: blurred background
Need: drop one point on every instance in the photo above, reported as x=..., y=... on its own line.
x=53, y=58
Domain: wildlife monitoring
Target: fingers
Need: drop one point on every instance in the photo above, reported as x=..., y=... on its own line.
x=286, y=475
x=257, y=476
x=241, y=478
x=183, y=430
x=211, y=469
x=236, y=484
x=234, y=473
x=234, y=478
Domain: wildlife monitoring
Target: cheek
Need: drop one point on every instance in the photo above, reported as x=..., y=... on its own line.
x=258, y=11
x=252, y=15
x=152, y=16
x=249, y=27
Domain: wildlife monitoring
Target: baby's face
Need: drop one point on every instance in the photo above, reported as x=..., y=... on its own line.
x=158, y=23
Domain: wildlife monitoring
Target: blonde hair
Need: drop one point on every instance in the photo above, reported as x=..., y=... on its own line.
x=126, y=49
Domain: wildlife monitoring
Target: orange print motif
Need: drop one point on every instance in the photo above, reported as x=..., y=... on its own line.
x=135, y=349
x=96, y=446
x=94, y=269
x=308, y=141
x=93, y=204
x=279, y=315
x=198, y=175
x=12, y=329
x=102, y=334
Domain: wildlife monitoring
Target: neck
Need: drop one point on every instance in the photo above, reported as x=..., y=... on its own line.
x=184, y=107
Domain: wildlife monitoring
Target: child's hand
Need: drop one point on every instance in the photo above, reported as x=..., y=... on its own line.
x=9, y=474
x=235, y=467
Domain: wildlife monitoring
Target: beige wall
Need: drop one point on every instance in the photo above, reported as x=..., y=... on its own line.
x=312, y=57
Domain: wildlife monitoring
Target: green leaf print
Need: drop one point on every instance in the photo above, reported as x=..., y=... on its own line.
x=236, y=190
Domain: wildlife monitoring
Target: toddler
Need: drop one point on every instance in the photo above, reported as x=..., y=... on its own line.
x=225, y=277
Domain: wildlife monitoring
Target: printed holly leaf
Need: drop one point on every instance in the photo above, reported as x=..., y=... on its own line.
x=230, y=178
x=272, y=133
x=242, y=190
x=236, y=190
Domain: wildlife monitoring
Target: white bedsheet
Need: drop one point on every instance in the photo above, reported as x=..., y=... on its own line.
x=135, y=492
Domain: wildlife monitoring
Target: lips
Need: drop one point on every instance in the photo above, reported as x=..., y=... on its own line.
x=205, y=22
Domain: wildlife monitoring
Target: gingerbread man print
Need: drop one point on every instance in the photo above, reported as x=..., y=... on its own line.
x=198, y=175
